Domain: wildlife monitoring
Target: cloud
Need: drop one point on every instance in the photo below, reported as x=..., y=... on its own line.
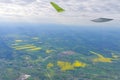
x=41, y=10
x=5, y=1
x=17, y=1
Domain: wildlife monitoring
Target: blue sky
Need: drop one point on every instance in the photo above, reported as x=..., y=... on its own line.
x=77, y=11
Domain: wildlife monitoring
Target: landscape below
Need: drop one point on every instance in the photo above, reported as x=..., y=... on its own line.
x=58, y=52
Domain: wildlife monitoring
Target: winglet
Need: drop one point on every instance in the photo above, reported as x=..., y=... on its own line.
x=57, y=8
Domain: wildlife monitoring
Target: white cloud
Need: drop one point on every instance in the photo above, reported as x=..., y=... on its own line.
x=42, y=11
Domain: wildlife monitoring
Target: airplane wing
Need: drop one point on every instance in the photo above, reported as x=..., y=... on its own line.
x=102, y=20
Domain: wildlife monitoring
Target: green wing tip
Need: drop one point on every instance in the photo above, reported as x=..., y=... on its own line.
x=51, y=2
x=58, y=9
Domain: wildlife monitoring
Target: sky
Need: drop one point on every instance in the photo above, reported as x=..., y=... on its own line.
x=76, y=11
